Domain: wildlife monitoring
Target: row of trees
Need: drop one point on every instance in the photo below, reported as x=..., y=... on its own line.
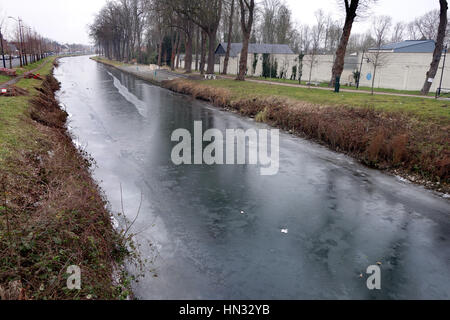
x=158, y=31
x=24, y=41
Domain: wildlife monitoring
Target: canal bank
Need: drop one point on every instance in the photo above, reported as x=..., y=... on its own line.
x=218, y=232
x=155, y=76
x=53, y=216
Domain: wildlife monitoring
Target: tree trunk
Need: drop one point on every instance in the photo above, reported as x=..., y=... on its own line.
x=338, y=65
x=211, y=52
x=188, y=57
x=174, y=50
x=374, y=75
x=177, y=65
x=230, y=31
x=243, y=59
x=160, y=51
x=437, y=54
x=310, y=70
x=197, y=46
x=246, y=32
x=203, y=54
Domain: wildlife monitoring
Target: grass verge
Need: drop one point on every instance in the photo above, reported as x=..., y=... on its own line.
x=407, y=135
x=52, y=213
x=362, y=88
x=113, y=63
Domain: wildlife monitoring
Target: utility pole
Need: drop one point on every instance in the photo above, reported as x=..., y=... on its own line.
x=438, y=92
x=3, y=52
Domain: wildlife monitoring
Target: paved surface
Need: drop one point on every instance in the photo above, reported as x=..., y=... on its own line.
x=146, y=73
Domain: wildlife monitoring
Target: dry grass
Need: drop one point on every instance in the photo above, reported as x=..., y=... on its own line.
x=380, y=139
x=218, y=96
x=13, y=91
x=52, y=216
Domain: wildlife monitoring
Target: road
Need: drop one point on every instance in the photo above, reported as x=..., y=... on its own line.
x=214, y=232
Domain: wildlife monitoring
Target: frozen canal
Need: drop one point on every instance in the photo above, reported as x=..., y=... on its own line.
x=341, y=217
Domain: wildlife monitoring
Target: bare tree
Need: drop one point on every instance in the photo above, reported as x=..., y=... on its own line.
x=443, y=20
x=413, y=33
x=426, y=26
x=305, y=38
x=398, y=32
x=317, y=34
x=230, y=34
x=381, y=26
x=247, y=16
x=207, y=15
x=269, y=17
x=353, y=8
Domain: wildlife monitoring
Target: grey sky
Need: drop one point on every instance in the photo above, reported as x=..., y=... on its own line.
x=66, y=20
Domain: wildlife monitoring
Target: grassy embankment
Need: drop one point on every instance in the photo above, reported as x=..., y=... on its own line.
x=52, y=214
x=406, y=135
x=113, y=63
x=325, y=85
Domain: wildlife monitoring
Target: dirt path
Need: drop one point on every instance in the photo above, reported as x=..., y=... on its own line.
x=328, y=89
x=20, y=77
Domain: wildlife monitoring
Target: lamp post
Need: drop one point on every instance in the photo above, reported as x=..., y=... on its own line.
x=360, y=70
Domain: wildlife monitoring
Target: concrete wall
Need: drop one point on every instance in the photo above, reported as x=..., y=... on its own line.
x=285, y=63
x=404, y=71
x=401, y=71
x=216, y=66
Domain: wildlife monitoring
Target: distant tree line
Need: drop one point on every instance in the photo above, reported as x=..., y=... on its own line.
x=21, y=40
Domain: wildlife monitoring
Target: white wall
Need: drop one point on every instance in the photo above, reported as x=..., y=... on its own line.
x=216, y=66
x=405, y=71
x=401, y=71
x=285, y=62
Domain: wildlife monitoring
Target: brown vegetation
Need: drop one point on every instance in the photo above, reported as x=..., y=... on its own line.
x=52, y=216
x=378, y=139
x=13, y=91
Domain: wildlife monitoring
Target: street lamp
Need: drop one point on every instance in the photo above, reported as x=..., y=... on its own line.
x=360, y=70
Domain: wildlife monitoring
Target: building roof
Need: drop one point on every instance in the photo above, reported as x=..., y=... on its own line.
x=409, y=46
x=259, y=48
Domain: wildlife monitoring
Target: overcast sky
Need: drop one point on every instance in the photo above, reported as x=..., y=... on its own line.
x=67, y=20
